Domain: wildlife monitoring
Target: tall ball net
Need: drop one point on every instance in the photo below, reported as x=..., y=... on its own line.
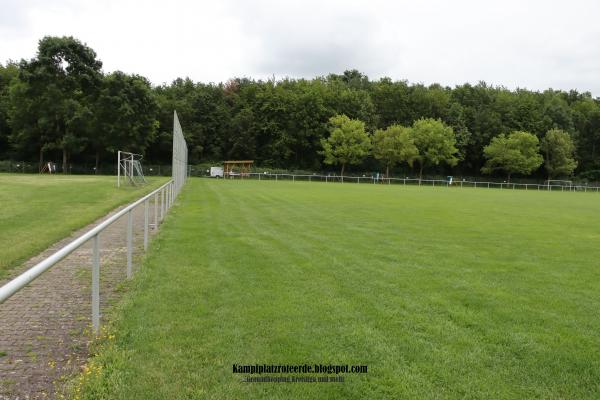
x=180, y=156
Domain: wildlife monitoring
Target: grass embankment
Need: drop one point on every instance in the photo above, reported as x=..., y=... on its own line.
x=39, y=210
x=442, y=292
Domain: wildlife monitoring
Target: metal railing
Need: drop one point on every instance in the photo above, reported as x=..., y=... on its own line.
x=414, y=181
x=162, y=197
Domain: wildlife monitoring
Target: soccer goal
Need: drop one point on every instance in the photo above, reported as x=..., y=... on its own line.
x=552, y=183
x=130, y=169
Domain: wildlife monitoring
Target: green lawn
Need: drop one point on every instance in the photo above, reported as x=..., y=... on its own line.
x=38, y=210
x=441, y=292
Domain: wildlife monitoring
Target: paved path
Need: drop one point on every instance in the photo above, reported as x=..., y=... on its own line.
x=44, y=328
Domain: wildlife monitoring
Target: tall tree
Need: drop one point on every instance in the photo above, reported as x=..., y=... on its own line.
x=55, y=95
x=435, y=142
x=348, y=143
x=558, y=149
x=8, y=74
x=515, y=153
x=394, y=145
x=126, y=115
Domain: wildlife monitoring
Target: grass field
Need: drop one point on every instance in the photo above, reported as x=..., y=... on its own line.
x=441, y=292
x=38, y=210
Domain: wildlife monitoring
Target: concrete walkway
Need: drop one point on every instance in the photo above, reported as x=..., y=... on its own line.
x=45, y=328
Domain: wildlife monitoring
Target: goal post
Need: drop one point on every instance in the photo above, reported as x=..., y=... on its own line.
x=129, y=168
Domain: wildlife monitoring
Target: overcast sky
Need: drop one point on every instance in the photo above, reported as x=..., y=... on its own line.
x=526, y=43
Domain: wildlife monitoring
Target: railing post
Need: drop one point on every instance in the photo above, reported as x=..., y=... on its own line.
x=162, y=203
x=146, y=224
x=96, y=284
x=156, y=210
x=129, y=242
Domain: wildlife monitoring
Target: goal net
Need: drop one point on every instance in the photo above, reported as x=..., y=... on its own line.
x=130, y=169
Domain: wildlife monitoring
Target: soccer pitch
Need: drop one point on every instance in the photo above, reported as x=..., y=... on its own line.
x=39, y=210
x=441, y=292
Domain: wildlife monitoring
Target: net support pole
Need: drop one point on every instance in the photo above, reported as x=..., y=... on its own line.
x=155, y=210
x=119, y=168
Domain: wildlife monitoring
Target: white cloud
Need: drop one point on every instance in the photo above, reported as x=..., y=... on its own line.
x=534, y=44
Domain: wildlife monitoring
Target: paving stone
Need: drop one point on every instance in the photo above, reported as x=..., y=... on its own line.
x=43, y=327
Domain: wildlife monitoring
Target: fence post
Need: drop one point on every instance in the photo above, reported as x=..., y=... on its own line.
x=96, y=284
x=129, y=242
x=146, y=224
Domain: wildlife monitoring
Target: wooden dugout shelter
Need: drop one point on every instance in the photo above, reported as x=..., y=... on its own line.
x=233, y=168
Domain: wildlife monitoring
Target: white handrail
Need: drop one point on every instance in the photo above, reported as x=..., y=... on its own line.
x=18, y=283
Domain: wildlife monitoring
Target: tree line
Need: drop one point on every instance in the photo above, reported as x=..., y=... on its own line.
x=61, y=106
x=430, y=142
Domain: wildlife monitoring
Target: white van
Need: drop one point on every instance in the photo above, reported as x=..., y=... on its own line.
x=216, y=172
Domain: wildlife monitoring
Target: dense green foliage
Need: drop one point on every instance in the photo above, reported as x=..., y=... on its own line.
x=394, y=145
x=348, y=143
x=435, y=143
x=558, y=148
x=517, y=152
x=62, y=105
x=40, y=210
x=500, y=303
